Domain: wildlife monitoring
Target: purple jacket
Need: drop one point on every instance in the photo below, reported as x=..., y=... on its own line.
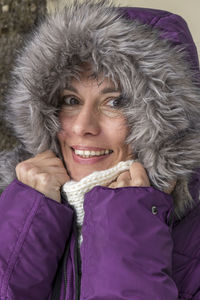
x=131, y=249
x=139, y=243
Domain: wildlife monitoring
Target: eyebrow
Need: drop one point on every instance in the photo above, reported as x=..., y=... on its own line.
x=109, y=90
x=71, y=88
x=104, y=91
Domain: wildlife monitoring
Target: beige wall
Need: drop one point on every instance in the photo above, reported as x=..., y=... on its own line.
x=188, y=9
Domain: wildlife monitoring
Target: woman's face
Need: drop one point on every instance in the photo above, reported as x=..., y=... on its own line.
x=93, y=128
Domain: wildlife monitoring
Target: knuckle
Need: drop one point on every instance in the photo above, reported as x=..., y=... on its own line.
x=58, y=161
x=33, y=171
x=23, y=166
x=44, y=178
x=122, y=182
x=138, y=182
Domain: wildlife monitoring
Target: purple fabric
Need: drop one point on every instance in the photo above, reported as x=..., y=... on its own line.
x=126, y=249
x=33, y=230
x=173, y=28
x=186, y=255
x=186, y=252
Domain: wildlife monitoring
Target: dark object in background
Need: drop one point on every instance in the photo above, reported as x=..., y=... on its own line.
x=17, y=18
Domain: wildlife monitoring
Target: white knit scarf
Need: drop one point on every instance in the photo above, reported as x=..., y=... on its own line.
x=75, y=190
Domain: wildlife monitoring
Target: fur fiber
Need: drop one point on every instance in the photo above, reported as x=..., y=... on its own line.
x=162, y=99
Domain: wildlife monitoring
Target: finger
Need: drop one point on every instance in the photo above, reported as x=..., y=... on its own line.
x=22, y=169
x=62, y=178
x=112, y=185
x=138, y=174
x=123, y=180
x=53, y=170
x=46, y=181
x=45, y=154
x=137, y=168
x=123, y=183
x=56, y=173
x=46, y=161
x=124, y=176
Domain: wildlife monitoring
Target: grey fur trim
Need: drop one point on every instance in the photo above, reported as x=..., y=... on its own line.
x=8, y=162
x=163, y=109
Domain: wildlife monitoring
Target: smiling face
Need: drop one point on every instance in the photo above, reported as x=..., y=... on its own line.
x=93, y=128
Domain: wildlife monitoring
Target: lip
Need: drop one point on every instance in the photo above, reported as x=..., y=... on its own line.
x=77, y=147
x=89, y=160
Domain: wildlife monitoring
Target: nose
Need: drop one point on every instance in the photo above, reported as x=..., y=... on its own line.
x=86, y=122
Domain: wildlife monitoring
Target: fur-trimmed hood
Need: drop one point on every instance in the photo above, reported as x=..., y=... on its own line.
x=149, y=52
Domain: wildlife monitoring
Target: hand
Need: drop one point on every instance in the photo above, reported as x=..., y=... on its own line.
x=45, y=173
x=136, y=176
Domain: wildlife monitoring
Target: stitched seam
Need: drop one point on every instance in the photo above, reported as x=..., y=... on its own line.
x=20, y=240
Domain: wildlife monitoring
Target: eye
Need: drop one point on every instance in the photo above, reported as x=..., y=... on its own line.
x=70, y=100
x=115, y=102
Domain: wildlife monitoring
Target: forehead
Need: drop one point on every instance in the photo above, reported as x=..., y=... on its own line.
x=87, y=79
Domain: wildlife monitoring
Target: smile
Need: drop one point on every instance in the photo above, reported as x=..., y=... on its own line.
x=87, y=153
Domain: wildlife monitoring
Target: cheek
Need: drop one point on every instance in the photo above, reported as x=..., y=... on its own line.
x=117, y=130
x=61, y=119
x=64, y=126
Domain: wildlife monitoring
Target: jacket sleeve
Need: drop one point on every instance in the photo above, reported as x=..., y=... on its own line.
x=33, y=233
x=127, y=245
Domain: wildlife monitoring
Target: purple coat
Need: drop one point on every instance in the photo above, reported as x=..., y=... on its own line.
x=134, y=245
x=131, y=249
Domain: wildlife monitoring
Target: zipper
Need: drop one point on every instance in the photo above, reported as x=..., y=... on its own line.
x=56, y=292
x=62, y=267
x=77, y=262
x=63, y=196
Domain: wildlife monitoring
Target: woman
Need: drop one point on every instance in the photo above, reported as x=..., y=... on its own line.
x=101, y=198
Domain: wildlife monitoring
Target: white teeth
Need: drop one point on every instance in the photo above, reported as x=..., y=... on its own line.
x=87, y=153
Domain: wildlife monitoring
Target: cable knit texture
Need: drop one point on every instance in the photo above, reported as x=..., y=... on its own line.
x=75, y=191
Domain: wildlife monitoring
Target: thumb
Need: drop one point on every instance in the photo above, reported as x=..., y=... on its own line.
x=62, y=178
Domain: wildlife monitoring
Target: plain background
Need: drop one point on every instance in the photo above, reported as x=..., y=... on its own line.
x=188, y=9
